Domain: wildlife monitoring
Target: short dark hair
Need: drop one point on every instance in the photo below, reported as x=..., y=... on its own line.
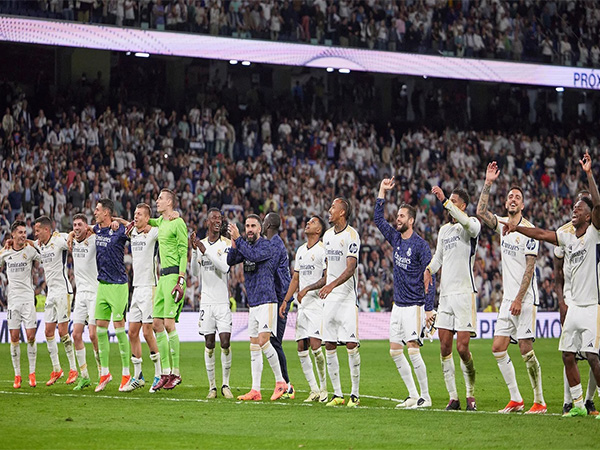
x=144, y=206
x=462, y=193
x=588, y=202
x=80, y=216
x=517, y=188
x=16, y=224
x=213, y=209
x=107, y=203
x=273, y=220
x=255, y=217
x=44, y=221
x=412, y=211
x=323, y=226
x=346, y=206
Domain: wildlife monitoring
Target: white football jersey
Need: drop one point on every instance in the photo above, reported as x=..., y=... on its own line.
x=213, y=268
x=455, y=251
x=515, y=248
x=582, y=257
x=19, y=264
x=54, y=259
x=144, y=248
x=84, y=264
x=338, y=248
x=310, y=264
x=559, y=252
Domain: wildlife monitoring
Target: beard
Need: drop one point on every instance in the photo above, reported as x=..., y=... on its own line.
x=402, y=228
x=251, y=239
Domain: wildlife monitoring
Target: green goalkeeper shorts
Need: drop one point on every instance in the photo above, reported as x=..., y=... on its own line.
x=164, y=303
x=111, y=299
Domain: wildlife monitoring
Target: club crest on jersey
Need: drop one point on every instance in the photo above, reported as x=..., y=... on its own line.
x=342, y=243
x=219, y=252
x=110, y=232
x=24, y=256
x=518, y=240
x=409, y=252
x=312, y=257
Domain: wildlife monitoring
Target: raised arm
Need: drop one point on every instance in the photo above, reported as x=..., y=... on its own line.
x=386, y=229
x=482, y=207
x=586, y=165
x=470, y=224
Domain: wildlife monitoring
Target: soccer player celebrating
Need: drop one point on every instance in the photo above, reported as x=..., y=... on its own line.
x=144, y=248
x=257, y=254
x=517, y=314
x=170, y=292
x=271, y=225
x=309, y=267
x=83, y=248
x=113, y=290
x=579, y=241
x=18, y=259
x=209, y=259
x=340, y=310
x=455, y=251
x=53, y=249
x=411, y=256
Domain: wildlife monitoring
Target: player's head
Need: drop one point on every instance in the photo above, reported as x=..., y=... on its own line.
x=272, y=221
x=214, y=219
x=315, y=225
x=141, y=215
x=165, y=201
x=42, y=228
x=460, y=198
x=80, y=226
x=105, y=209
x=515, y=201
x=253, y=228
x=406, y=217
x=582, y=212
x=18, y=231
x=583, y=193
x=340, y=211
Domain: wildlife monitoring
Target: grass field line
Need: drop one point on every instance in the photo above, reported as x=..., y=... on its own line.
x=201, y=400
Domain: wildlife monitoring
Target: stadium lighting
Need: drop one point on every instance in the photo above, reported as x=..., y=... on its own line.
x=128, y=53
x=424, y=77
x=330, y=69
x=344, y=70
x=245, y=63
x=560, y=89
x=233, y=62
x=142, y=54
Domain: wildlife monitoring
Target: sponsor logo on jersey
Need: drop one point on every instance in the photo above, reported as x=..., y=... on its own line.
x=353, y=247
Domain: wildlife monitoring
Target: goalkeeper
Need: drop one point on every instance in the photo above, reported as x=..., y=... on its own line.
x=168, y=298
x=413, y=307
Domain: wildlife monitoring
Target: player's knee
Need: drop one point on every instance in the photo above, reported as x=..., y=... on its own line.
x=225, y=342
x=568, y=358
x=463, y=351
x=148, y=334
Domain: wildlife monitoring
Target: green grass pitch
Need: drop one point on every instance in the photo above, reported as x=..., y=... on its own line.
x=56, y=417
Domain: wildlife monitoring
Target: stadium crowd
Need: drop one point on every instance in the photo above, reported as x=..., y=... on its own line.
x=294, y=165
x=558, y=32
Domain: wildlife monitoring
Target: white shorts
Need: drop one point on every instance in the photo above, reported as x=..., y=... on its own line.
x=457, y=312
x=142, y=302
x=517, y=327
x=406, y=324
x=58, y=308
x=581, y=332
x=215, y=319
x=262, y=319
x=309, y=321
x=21, y=313
x=340, y=321
x=85, y=308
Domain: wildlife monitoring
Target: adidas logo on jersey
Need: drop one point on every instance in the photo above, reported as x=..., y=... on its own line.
x=590, y=345
x=266, y=326
x=528, y=331
x=352, y=336
x=469, y=324
x=414, y=333
x=317, y=332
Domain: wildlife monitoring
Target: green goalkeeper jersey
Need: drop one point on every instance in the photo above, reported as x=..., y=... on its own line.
x=172, y=242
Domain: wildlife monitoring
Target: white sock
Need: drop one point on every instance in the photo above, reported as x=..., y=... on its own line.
x=321, y=367
x=81, y=360
x=577, y=395
x=137, y=367
x=508, y=373
x=104, y=371
x=226, y=364
x=69, y=350
x=354, y=363
x=209, y=363
x=155, y=357
x=307, y=368
x=405, y=372
x=591, y=387
x=32, y=355
x=535, y=376
x=256, y=364
x=468, y=371
x=15, y=354
x=333, y=368
x=449, y=377
x=53, y=350
x=420, y=371
x=273, y=361
x=567, y=389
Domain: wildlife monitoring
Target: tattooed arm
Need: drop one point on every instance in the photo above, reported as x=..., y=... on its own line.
x=482, y=207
